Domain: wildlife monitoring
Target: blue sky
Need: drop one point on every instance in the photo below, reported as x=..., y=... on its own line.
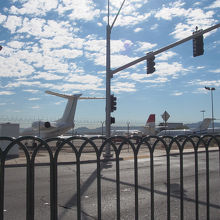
x=59, y=45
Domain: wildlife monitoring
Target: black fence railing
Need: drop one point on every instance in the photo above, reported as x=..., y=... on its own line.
x=29, y=147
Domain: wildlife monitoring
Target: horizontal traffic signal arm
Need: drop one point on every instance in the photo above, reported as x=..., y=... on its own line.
x=201, y=32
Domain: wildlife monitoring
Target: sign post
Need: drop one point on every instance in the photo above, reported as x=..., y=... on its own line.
x=165, y=117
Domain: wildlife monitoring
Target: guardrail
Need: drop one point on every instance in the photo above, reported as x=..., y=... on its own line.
x=166, y=143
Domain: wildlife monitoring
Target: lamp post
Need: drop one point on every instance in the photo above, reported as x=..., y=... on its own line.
x=211, y=89
x=203, y=112
x=128, y=127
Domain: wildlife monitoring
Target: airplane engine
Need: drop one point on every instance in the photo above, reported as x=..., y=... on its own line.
x=41, y=125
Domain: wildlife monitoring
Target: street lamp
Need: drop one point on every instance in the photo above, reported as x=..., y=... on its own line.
x=211, y=89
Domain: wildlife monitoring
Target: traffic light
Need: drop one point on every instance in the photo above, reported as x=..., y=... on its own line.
x=198, y=45
x=112, y=120
x=113, y=103
x=150, y=64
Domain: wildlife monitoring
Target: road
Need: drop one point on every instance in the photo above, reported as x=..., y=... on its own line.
x=15, y=186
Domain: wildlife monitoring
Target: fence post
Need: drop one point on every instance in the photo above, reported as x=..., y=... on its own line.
x=2, y=177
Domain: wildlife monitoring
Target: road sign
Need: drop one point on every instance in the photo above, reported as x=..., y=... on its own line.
x=165, y=116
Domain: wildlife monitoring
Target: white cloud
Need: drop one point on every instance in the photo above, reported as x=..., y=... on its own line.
x=33, y=99
x=145, y=46
x=177, y=93
x=65, y=53
x=154, y=27
x=31, y=90
x=212, y=83
x=96, y=46
x=2, y=18
x=65, y=87
x=118, y=87
x=19, y=83
x=136, y=30
x=36, y=107
x=215, y=71
x=13, y=23
x=144, y=78
x=131, y=20
x=80, y=9
x=85, y=79
x=16, y=44
x=47, y=76
x=166, y=55
x=129, y=15
x=167, y=13
x=6, y=93
x=120, y=60
x=194, y=16
x=40, y=7
x=214, y=5
x=170, y=69
x=200, y=67
x=13, y=67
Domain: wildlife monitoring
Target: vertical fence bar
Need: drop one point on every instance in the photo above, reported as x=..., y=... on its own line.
x=2, y=180
x=31, y=190
x=118, y=185
x=78, y=187
x=28, y=192
x=99, y=188
x=181, y=186
x=136, y=184
x=53, y=189
x=196, y=184
x=207, y=183
x=168, y=185
x=152, y=182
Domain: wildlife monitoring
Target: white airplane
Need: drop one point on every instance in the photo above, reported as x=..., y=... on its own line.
x=48, y=129
x=216, y=130
x=201, y=129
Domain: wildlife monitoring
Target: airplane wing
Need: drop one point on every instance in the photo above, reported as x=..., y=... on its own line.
x=62, y=95
x=91, y=98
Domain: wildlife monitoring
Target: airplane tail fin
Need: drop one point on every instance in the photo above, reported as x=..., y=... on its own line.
x=150, y=125
x=204, y=125
x=69, y=112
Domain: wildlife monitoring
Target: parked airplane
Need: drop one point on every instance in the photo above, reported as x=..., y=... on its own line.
x=201, y=129
x=53, y=129
x=148, y=129
x=216, y=130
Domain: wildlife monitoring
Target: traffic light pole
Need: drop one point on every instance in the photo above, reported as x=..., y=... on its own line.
x=107, y=154
x=108, y=91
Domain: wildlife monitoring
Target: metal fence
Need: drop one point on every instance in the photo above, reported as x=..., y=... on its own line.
x=30, y=146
